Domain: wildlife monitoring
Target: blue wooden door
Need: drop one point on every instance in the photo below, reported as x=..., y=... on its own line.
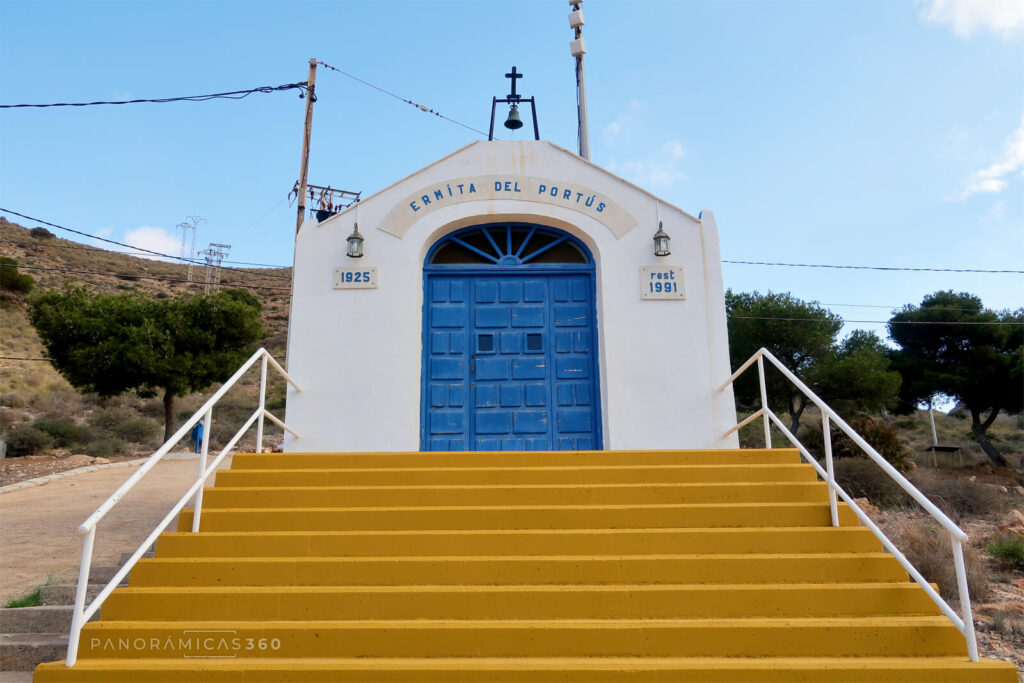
x=510, y=362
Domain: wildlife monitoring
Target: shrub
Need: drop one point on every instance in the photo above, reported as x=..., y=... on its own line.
x=863, y=478
x=104, y=448
x=154, y=408
x=1008, y=550
x=109, y=418
x=41, y=233
x=8, y=418
x=27, y=441
x=927, y=546
x=14, y=399
x=1008, y=623
x=13, y=281
x=65, y=434
x=137, y=429
x=881, y=436
x=958, y=497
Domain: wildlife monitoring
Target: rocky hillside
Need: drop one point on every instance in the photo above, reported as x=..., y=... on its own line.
x=43, y=417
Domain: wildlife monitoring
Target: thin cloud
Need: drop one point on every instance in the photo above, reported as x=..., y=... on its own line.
x=1004, y=18
x=154, y=239
x=624, y=123
x=995, y=177
x=661, y=169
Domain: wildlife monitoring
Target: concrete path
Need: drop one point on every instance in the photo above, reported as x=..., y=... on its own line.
x=38, y=524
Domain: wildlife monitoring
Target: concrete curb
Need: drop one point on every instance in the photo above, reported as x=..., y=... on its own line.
x=39, y=481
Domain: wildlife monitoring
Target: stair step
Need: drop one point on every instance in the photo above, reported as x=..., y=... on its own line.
x=516, y=542
x=127, y=556
x=42, y=619
x=23, y=651
x=64, y=593
x=281, y=603
x=875, y=636
x=103, y=573
x=564, y=494
x=522, y=669
x=486, y=475
x=779, y=456
x=470, y=570
x=671, y=566
x=519, y=517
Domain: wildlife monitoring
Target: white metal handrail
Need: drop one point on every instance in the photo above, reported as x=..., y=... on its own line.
x=81, y=614
x=965, y=620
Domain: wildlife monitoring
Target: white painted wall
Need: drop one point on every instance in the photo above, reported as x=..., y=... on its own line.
x=357, y=353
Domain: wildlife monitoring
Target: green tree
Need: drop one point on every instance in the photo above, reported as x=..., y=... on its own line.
x=853, y=376
x=951, y=345
x=112, y=343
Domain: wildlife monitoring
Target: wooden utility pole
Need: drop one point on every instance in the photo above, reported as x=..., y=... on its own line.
x=304, y=168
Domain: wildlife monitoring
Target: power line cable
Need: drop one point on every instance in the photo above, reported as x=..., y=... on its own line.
x=141, y=249
x=877, y=322
x=422, y=107
x=145, y=277
x=84, y=247
x=755, y=263
x=826, y=265
x=233, y=95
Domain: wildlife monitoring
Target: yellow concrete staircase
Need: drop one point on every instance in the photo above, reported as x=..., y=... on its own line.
x=566, y=566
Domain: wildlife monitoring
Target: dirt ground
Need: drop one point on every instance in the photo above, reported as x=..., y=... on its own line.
x=38, y=525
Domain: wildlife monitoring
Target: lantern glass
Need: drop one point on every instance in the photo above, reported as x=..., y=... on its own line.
x=355, y=243
x=661, y=240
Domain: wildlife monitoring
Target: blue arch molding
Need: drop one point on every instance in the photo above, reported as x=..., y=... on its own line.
x=509, y=341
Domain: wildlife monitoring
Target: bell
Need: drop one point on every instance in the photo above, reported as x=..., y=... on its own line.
x=513, y=122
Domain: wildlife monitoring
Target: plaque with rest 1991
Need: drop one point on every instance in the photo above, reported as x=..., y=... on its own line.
x=355, y=278
x=662, y=282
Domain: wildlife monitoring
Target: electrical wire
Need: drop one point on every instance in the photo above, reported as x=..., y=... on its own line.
x=422, y=107
x=233, y=95
x=754, y=263
x=141, y=249
x=84, y=247
x=825, y=265
x=876, y=322
x=131, y=276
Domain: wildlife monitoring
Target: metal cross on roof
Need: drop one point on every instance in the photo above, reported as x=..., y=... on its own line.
x=513, y=76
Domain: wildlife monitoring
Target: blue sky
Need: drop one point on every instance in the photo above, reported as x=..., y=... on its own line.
x=858, y=133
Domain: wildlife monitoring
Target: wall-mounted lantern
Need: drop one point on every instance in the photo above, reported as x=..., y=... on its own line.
x=661, y=239
x=355, y=243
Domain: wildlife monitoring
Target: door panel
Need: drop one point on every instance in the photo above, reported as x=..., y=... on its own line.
x=510, y=361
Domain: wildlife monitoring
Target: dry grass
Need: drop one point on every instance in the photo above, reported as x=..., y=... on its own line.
x=927, y=546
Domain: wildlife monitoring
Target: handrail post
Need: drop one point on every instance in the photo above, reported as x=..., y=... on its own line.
x=764, y=402
x=263, y=404
x=965, y=599
x=826, y=430
x=197, y=508
x=78, y=615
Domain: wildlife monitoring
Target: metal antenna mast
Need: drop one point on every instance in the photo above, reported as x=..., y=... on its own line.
x=214, y=257
x=578, y=48
x=188, y=248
